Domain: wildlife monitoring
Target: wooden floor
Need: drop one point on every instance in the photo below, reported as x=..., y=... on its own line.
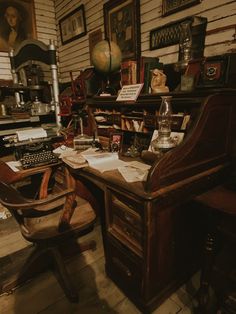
x=98, y=294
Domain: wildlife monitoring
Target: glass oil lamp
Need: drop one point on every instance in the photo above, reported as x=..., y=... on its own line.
x=164, y=141
x=185, y=41
x=185, y=46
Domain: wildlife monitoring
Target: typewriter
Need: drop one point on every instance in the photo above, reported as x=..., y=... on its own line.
x=36, y=155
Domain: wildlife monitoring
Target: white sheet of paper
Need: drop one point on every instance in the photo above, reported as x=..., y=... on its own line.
x=14, y=165
x=25, y=135
x=134, y=171
x=108, y=165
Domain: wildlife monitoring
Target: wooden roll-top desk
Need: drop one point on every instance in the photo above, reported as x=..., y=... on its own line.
x=153, y=231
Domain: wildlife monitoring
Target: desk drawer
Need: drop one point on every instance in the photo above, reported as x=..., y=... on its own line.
x=128, y=204
x=124, y=269
x=129, y=216
x=125, y=222
x=126, y=230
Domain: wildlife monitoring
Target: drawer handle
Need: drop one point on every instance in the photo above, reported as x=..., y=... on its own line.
x=128, y=232
x=129, y=219
x=122, y=267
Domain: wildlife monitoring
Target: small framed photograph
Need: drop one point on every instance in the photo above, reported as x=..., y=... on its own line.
x=73, y=25
x=115, y=142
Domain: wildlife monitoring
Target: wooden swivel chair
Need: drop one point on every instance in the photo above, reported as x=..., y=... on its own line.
x=32, y=52
x=49, y=223
x=220, y=203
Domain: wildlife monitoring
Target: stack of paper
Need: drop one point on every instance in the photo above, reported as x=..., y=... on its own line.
x=102, y=161
x=75, y=161
x=24, y=135
x=134, y=171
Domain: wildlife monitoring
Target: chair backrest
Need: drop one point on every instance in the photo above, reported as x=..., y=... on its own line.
x=10, y=196
x=26, y=211
x=50, y=218
x=34, y=52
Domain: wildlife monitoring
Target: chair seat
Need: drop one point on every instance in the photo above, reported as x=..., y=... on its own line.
x=220, y=199
x=46, y=227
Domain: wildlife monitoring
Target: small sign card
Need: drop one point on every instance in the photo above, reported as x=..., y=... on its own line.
x=129, y=92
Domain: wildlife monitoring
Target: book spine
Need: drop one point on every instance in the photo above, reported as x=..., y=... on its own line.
x=129, y=72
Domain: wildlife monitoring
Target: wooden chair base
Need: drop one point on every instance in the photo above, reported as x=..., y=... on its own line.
x=42, y=259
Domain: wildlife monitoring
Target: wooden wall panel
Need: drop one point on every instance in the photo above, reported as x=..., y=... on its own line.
x=218, y=13
x=74, y=56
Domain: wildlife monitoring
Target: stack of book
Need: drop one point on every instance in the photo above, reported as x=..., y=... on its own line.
x=82, y=142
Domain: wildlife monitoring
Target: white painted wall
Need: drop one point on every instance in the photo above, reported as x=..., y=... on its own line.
x=74, y=56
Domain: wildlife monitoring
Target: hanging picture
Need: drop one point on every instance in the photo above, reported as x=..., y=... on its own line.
x=172, y=6
x=17, y=23
x=122, y=25
x=73, y=25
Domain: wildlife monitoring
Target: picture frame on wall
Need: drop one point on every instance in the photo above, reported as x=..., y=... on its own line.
x=73, y=25
x=17, y=23
x=172, y=6
x=122, y=25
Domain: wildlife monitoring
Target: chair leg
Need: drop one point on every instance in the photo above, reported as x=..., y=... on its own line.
x=64, y=278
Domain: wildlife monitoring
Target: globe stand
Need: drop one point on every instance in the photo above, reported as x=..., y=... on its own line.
x=106, y=90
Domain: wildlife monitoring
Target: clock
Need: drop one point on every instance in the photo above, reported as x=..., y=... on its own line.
x=218, y=71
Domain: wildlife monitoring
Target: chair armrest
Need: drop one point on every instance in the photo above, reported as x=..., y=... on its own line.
x=44, y=204
x=9, y=176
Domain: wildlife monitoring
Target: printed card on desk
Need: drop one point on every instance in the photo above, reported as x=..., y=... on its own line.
x=129, y=92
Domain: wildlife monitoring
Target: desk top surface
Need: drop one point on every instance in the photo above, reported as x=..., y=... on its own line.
x=178, y=191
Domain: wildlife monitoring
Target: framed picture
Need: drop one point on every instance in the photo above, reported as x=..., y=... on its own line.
x=17, y=23
x=172, y=6
x=73, y=25
x=115, y=142
x=122, y=25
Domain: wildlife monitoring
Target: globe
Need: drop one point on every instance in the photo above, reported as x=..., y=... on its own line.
x=106, y=56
